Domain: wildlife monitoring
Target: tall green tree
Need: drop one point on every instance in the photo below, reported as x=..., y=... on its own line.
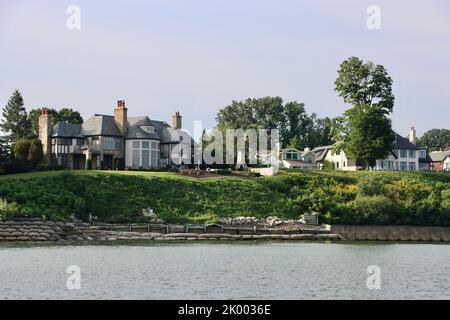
x=435, y=139
x=365, y=130
x=63, y=115
x=321, y=133
x=15, y=122
x=260, y=113
x=297, y=128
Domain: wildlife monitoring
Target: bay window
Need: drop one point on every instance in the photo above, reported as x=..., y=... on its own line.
x=145, y=153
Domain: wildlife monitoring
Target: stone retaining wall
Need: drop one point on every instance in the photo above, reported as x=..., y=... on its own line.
x=392, y=233
x=38, y=230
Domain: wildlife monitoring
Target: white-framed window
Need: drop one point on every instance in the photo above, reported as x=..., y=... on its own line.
x=412, y=153
x=412, y=166
x=290, y=154
x=145, y=153
x=403, y=166
x=391, y=165
x=148, y=129
x=395, y=151
x=110, y=143
x=403, y=153
x=422, y=154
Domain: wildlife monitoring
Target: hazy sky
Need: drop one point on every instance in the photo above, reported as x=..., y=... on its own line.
x=197, y=56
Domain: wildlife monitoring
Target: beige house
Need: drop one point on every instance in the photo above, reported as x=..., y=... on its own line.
x=405, y=156
x=113, y=141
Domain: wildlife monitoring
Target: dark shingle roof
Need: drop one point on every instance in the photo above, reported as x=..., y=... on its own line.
x=134, y=130
x=403, y=143
x=66, y=130
x=100, y=125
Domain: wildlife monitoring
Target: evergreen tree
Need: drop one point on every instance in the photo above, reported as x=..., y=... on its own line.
x=15, y=122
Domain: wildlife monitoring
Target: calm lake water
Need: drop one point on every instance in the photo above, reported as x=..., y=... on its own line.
x=262, y=270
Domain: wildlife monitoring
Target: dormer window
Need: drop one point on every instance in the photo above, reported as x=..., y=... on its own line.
x=148, y=129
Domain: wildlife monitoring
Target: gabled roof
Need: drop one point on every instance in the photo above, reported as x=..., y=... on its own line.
x=100, y=124
x=66, y=130
x=439, y=156
x=321, y=152
x=403, y=143
x=134, y=130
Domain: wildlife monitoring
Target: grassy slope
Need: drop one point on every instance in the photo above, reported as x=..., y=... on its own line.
x=113, y=195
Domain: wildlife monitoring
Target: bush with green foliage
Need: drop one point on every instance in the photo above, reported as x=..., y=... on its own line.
x=28, y=151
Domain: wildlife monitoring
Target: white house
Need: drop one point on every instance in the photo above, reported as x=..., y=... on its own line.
x=405, y=156
x=292, y=158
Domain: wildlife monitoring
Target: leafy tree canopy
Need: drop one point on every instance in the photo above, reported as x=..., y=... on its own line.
x=365, y=83
x=435, y=139
x=297, y=128
x=63, y=115
x=29, y=151
x=370, y=134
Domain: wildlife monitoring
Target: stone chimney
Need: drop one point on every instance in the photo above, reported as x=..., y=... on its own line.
x=176, y=120
x=45, y=134
x=412, y=135
x=120, y=116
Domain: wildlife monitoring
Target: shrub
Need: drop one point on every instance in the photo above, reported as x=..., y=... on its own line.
x=328, y=165
x=119, y=164
x=8, y=210
x=371, y=185
x=49, y=167
x=15, y=167
x=369, y=210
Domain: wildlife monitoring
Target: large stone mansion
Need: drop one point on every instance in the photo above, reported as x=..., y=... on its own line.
x=110, y=141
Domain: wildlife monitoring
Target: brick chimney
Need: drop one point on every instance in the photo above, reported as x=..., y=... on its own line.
x=45, y=133
x=412, y=135
x=120, y=116
x=176, y=120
